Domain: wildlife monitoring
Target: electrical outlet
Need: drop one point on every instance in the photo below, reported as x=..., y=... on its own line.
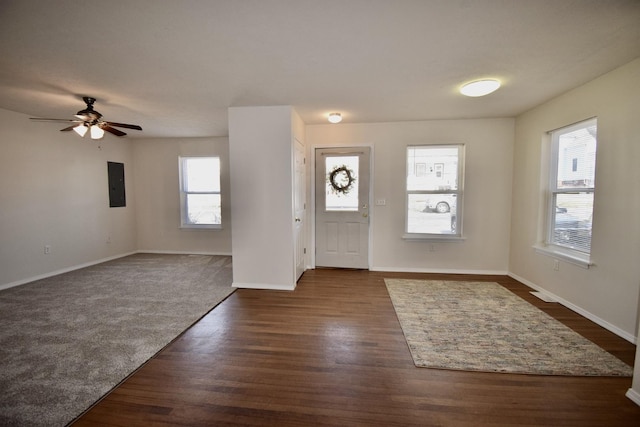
x=47, y=249
x=556, y=265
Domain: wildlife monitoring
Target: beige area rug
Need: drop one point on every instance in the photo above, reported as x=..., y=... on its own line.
x=67, y=340
x=481, y=326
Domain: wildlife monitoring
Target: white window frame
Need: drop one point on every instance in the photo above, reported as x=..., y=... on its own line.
x=459, y=192
x=573, y=255
x=184, y=218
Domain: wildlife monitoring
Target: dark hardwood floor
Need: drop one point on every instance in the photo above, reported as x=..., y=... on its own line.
x=331, y=353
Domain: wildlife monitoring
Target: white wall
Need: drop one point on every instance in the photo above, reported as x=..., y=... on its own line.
x=158, y=198
x=607, y=292
x=54, y=191
x=261, y=156
x=634, y=392
x=489, y=155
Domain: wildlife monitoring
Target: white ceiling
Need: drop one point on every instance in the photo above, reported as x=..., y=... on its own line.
x=174, y=67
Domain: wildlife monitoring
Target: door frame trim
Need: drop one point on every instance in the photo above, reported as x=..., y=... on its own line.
x=312, y=198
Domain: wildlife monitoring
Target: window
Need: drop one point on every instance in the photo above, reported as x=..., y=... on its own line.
x=434, y=191
x=342, y=183
x=200, y=192
x=571, y=187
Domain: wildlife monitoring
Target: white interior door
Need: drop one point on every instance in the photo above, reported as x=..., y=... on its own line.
x=299, y=207
x=342, y=207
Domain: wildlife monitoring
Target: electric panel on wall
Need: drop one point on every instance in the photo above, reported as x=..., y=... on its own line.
x=117, y=197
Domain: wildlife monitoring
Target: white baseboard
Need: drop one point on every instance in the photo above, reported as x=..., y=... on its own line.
x=150, y=251
x=267, y=286
x=438, y=270
x=99, y=261
x=622, y=334
x=61, y=271
x=634, y=396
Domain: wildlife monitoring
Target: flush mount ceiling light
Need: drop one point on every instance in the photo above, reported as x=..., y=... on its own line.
x=335, y=117
x=480, y=87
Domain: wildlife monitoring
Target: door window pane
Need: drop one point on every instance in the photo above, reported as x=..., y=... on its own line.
x=341, y=175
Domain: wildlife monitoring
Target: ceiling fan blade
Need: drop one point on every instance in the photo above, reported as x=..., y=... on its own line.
x=90, y=119
x=114, y=131
x=55, y=120
x=124, y=125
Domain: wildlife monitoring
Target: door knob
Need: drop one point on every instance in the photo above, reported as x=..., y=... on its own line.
x=365, y=215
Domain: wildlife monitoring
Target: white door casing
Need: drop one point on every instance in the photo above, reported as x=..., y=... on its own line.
x=342, y=209
x=299, y=207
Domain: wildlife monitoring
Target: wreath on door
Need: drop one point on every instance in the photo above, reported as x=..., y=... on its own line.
x=341, y=179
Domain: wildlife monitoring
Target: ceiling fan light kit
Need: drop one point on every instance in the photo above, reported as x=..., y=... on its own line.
x=81, y=129
x=91, y=120
x=96, y=132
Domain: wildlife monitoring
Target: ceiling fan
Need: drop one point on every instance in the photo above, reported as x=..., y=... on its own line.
x=91, y=120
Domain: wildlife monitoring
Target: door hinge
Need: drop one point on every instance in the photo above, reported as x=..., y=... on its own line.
x=304, y=251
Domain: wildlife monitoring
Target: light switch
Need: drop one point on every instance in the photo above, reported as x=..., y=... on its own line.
x=381, y=202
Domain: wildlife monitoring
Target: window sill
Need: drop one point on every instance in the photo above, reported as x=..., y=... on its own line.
x=573, y=257
x=201, y=227
x=432, y=237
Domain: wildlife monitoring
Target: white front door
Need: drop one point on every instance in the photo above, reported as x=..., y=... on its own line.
x=342, y=207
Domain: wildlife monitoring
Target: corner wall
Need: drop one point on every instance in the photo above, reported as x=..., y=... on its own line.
x=608, y=291
x=54, y=191
x=487, y=202
x=261, y=154
x=157, y=192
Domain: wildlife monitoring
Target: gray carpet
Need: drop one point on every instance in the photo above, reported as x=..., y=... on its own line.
x=67, y=340
x=481, y=326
